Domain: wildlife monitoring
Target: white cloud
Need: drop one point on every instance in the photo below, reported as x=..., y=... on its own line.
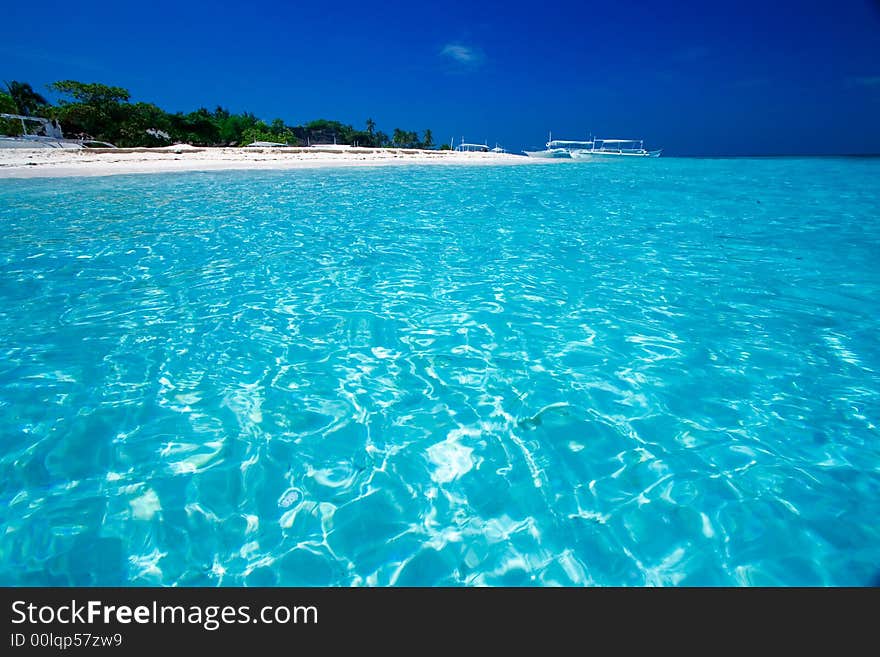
x=462, y=54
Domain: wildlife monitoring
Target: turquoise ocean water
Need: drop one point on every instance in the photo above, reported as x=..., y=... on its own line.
x=616, y=373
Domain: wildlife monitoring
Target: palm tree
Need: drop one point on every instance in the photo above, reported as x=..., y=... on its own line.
x=371, y=125
x=428, y=141
x=26, y=99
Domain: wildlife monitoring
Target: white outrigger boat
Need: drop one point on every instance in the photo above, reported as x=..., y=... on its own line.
x=46, y=134
x=600, y=148
x=465, y=147
x=555, y=148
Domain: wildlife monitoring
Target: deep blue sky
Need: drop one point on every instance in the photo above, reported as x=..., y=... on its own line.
x=744, y=77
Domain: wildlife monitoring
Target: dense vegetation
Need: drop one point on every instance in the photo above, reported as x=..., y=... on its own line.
x=101, y=112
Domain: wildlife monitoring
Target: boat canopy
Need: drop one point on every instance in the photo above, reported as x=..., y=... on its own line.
x=50, y=127
x=464, y=146
x=21, y=117
x=563, y=143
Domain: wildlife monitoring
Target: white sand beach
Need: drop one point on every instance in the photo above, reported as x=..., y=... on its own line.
x=51, y=162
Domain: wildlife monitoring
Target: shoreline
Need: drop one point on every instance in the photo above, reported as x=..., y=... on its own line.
x=63, y=163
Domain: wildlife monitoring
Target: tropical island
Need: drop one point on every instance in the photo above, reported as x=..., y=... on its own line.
x=95, y=111
x=105, y=133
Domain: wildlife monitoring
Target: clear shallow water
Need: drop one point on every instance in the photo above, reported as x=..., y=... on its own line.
x=630, y=373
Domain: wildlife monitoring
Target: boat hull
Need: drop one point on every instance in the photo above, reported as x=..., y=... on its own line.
x=37, y=142
x=553, y=153
x=601, y=155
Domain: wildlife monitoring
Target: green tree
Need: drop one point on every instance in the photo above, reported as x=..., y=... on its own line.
x=282, y=133
x=363, y=138
x=231, y=127
x=199, y=128
x=405, y=139
x=10, y=127
x=324, y=130
x=276, y=132
x=95, y=109
x=27, y=101
x=428, y=140
x=91, y=93
x=144, y=125
x=7, y=104
x=368, y=138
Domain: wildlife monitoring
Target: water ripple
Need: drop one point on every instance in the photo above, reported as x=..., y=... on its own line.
x=573, y=375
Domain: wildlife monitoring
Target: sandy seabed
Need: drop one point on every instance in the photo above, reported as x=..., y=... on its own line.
x=52, y=162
